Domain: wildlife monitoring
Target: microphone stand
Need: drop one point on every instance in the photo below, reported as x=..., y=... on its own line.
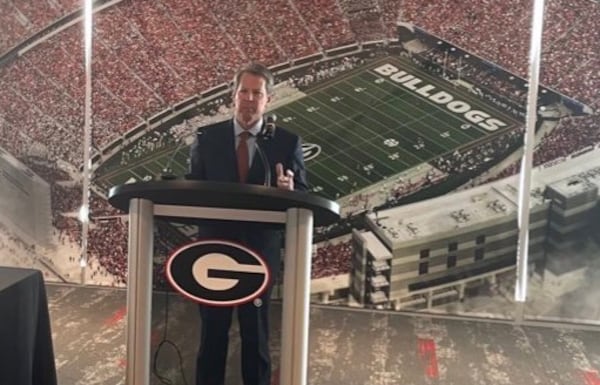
x=265, y=162
x=266, y=133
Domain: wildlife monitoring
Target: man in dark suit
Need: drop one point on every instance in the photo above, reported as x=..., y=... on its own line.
x=226, y=152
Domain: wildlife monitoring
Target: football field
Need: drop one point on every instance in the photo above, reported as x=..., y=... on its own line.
x=364, y=126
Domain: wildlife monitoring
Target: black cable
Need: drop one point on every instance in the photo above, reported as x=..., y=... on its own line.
x=166, y=341
x=265, y=162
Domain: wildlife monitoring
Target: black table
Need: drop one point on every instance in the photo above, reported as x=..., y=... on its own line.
x=26, y=354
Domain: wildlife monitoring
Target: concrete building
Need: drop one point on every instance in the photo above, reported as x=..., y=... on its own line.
x=436, y=250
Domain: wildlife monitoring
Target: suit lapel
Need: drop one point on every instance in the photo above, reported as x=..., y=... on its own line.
x=229, y=166
x=257, y=169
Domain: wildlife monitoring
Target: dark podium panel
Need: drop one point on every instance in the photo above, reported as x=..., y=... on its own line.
x=26, y=353
x=191, y=200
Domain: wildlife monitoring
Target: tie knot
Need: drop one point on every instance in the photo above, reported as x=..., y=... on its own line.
x=244, y=135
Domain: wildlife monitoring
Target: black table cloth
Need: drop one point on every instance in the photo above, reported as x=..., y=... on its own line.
x=26, y=354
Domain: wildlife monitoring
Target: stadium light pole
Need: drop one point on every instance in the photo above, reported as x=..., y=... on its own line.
x=87, y=135
x=535, y=50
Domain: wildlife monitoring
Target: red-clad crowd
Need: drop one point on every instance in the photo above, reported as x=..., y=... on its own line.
x=332, y=259
x=570, y=47
x=108, y=245
x=472, y=160
x=572, y=135
x=22, y=19
x=150, y=55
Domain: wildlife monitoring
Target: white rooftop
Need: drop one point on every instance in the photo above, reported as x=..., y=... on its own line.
x=377, y=249
x=481, y=204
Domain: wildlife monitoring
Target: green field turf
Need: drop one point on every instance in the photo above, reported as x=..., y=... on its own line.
x=367, y=126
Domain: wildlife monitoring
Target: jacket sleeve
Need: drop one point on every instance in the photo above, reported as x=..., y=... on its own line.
x=297, y=166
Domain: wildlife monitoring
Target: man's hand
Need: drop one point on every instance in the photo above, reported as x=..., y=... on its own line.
x=284, y=181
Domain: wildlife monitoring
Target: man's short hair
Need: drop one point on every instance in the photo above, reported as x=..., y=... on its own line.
x=258, y=70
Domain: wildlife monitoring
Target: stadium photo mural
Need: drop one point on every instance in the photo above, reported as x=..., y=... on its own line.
x=412, y=118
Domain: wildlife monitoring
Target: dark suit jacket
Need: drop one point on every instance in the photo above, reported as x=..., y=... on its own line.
x=213, y=158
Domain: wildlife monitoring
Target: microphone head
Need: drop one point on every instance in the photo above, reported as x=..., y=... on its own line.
x=270, y=126
x=167, y=174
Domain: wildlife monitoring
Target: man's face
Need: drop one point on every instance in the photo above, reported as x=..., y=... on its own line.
x=250, y=99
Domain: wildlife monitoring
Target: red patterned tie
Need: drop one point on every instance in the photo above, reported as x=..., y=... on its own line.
x=243, y=157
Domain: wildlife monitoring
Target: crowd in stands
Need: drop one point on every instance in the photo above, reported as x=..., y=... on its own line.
x=65, y=200
x=332, y=259
x=108, y=244
x=69, y=228
x=572, y=135
x=365, y=19
x=472, y=160
x=325, y=21
x=22, y=19
x=65, y=205
x=570, y=40
x=403, y=188
x=150, y=55
x=325, y=71
x=149, y=143
x=49, y=172
x=389, y=192
x=477, y=74
x=571, y=59
x=295, y=42
x=99, y=207
x=42, y=92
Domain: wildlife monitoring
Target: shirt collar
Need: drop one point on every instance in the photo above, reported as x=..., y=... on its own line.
x=254, y=130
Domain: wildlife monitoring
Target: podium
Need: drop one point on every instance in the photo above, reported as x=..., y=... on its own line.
x=178, y=199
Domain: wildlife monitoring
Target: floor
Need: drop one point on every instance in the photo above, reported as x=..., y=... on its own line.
x=350, y=347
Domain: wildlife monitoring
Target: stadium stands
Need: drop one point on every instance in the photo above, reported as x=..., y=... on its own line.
x=332, y=259
x=24, y=18
x=108, y=244
x=150, y=55
x=472, y=160
x=132, y=34
x=571, y=136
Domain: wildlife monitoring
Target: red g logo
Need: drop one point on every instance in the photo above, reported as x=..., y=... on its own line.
x=218, y=273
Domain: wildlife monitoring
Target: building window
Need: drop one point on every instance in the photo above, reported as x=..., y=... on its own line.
x=424, y=253
x=451, y=261
x=478, y=254
x=480, y=240
x=453, y=246
x=423, y=268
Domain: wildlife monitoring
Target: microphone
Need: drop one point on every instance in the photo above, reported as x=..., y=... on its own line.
x=167, y=172
x=267, y=132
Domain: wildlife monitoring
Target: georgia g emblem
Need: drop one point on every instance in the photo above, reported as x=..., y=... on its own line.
x=310, y=151
x=218, y=273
